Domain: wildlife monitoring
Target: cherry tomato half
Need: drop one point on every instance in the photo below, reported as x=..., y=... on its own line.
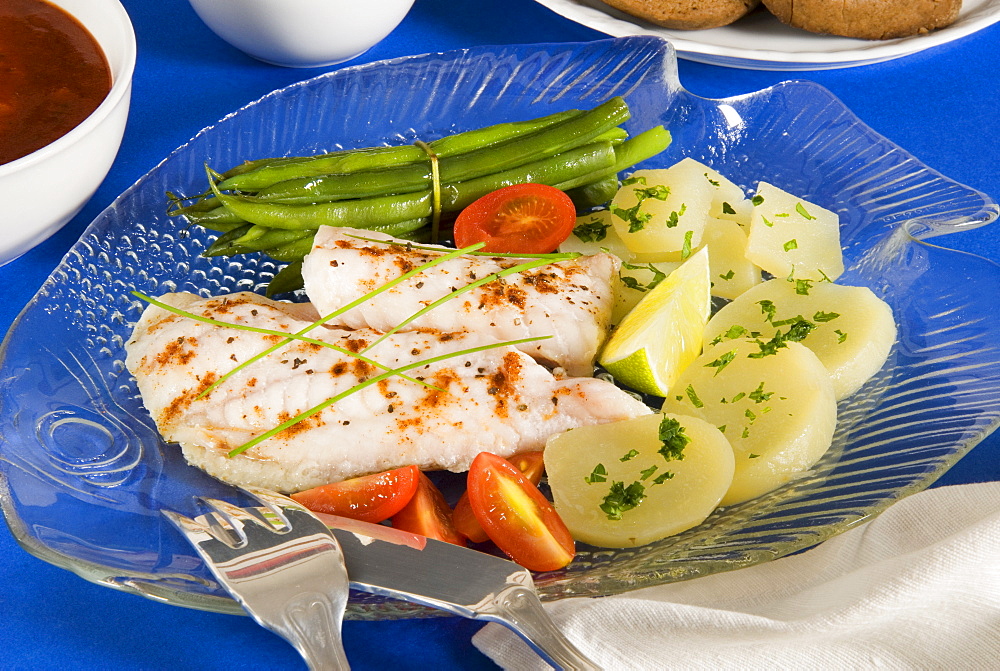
x=369, y=498
x=516, y=516
x=522, y=218
x=428, y=514
x=531, y=466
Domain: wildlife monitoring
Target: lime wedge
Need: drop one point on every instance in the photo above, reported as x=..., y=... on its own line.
x=663, y=333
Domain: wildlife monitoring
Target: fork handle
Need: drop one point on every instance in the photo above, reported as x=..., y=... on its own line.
x=519, y=609
x=311, y=624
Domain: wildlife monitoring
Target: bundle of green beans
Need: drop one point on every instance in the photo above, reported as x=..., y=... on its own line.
x=274, y=206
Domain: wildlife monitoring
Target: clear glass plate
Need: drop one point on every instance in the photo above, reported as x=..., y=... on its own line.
x=84, y=472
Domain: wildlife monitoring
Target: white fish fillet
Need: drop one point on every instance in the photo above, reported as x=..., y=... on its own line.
x=499, y=400
x=570, y=300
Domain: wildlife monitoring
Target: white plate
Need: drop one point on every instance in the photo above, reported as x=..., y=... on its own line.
x=761, y=42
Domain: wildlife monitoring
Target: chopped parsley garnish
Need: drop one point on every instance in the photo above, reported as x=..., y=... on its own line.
x=727, y=208
x=636, y=179
x=693, y=397
x=801, y=209
x=728, y=276
x=802, y=287
x=768, y=309
x=722, y=361
x=594, y=230
x=599, y=474
x=796, y=333
x=722, y=428
x=686, y=249
x=733, y=332
x=671, y=434
x=713, y=182
x=633, y=283
x=822, y=317
x=622, y=499
x=753, y=456
x=758, y=395
x=675, y=216
x=636, y=219
x=790, y=245
x=757, y=200
x=630, y=455
x=841, y=336
x=663, y=477
x=767, y=222
x=644, y=475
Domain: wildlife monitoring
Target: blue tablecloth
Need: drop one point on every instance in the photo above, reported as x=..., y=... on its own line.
x=940, y=104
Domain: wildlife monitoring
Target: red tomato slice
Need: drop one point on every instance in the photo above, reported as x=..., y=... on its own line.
x=516, y=516
x=522, y=218
x=369, y=498
x=428, y=514
x=531, y=466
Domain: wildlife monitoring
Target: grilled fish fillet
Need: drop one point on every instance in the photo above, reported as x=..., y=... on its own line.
x=570, y=300
x=498, y=400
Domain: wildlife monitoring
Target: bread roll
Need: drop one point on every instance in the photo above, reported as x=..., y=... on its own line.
x=866, y=19
x=686, y=14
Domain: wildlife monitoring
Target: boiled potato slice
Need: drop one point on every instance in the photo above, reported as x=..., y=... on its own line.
x=790, y=237
x=677, y=494
x=728, y=199
x=662, y=211
x=778, y=411
x=732, y=272
x=854, y=328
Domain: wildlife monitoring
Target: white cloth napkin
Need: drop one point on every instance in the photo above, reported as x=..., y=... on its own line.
x=916, y=588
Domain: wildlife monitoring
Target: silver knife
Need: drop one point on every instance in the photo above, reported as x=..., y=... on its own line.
x=465, y=582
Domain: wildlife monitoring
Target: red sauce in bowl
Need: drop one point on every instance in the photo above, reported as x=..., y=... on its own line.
x=53, y=74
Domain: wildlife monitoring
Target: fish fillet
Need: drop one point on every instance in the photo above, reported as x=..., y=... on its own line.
x=570, y=300
x=499, y=400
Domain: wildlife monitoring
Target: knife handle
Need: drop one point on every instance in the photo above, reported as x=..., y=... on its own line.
x=519, y=608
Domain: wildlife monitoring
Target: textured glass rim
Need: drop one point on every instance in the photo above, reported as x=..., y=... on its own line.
x=160, y=588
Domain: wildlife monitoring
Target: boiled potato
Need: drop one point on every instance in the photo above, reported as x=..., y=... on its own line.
x=728, y=199
x=732, y=272
x=663, y=211
x=790, y=237
x=594, y=234
x=778, y=411
x=593, y=466
x=854, y=328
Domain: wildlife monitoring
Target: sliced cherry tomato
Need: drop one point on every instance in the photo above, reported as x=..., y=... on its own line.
x=369, y=498
x=531, y=465
x=522, y=218
x=516, y=516
x=428, y=514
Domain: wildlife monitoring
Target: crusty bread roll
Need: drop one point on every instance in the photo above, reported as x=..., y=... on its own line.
x=686, y=14
x=866, y=19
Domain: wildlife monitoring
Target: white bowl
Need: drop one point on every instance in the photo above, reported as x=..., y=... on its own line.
x=41, y=192
x=302, y=33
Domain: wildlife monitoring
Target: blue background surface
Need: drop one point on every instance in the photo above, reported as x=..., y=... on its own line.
x=941, y=105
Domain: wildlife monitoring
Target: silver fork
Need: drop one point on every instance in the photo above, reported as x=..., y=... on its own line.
x=282, y=565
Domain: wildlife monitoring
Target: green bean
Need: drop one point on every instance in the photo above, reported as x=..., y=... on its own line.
x=287, y=279
x=594, y=194
x=266, y=172
x=223, y=245
x=552, y=170
x=216, y=219
x=358, y=213
x=261, y=238
x=293, y=251
x=634, y=150
x=559, y=137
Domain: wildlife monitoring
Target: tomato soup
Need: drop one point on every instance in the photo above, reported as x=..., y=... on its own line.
x=53, y=74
